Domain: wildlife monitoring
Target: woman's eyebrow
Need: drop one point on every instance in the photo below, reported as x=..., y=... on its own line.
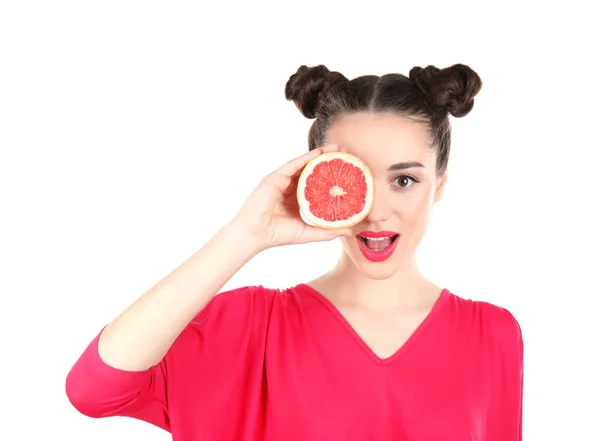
x=405, y=165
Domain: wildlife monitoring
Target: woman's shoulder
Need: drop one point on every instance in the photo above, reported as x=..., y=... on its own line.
x=232, y=302
x=236, y=316
x=494, y=319
x=245, y=302
x=260, y=293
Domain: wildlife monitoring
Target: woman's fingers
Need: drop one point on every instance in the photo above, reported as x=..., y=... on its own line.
x=290, y=168
x=318, y=234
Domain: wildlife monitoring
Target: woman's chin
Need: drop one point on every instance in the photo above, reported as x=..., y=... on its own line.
x=372, y=266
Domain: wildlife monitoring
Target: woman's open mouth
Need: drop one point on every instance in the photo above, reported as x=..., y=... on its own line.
x=378, y=243
x=377, y=246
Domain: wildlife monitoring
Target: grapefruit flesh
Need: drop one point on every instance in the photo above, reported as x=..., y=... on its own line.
x=335, y=190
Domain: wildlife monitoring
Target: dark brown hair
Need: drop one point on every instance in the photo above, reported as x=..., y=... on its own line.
x=427, y=95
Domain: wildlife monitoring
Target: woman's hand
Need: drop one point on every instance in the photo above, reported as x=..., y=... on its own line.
x=271, y=214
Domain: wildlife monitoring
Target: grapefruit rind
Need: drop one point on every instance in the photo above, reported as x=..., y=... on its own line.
x=303, y=203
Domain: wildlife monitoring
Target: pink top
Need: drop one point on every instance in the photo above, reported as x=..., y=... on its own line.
x=267, y=364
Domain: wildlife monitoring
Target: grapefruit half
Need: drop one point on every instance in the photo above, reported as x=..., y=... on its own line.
x=335, y=190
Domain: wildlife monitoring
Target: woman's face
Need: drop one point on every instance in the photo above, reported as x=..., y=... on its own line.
x=397, y=151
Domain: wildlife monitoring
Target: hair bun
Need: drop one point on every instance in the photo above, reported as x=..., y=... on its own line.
x=452, y=88
x=306, y=86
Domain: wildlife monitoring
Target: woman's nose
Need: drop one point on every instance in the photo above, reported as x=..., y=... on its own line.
x=382, y=205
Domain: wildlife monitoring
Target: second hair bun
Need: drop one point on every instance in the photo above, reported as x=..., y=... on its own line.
x=307, y=85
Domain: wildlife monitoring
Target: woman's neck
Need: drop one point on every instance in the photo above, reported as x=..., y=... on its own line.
x=405, y=288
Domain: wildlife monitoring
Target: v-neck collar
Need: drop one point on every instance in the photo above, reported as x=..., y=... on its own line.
x=437, y=307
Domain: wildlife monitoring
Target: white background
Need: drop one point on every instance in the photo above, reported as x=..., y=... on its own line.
x=131, y=131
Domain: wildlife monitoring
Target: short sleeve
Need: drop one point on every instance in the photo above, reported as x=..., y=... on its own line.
x=220, y=346
x=505, y=413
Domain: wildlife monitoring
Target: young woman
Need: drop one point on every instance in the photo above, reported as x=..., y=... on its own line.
x=370, y=350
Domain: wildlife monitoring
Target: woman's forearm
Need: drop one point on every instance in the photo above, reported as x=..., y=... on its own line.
x=143, y=333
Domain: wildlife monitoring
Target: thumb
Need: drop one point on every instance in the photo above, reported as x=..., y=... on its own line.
x=319, y=234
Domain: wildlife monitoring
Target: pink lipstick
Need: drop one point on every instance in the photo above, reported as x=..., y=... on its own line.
x=377, y=246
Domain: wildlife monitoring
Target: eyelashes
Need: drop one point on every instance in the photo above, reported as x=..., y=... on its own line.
x=401, y=178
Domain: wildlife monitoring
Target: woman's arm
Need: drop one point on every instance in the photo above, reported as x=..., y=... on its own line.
x=124, y=370
x=142, y=334
x=505, y=413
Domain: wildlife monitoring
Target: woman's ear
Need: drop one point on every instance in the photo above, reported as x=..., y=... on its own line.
x=441, y=184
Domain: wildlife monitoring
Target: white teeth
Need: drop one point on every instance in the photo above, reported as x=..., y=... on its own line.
x=378, y=238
